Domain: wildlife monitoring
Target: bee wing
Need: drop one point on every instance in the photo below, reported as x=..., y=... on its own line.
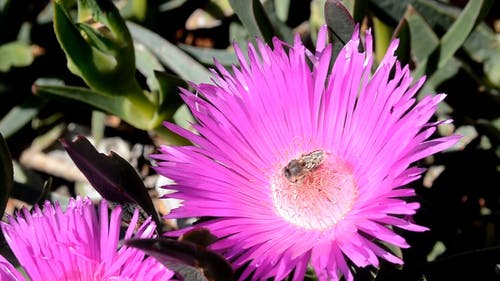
x=313, y=159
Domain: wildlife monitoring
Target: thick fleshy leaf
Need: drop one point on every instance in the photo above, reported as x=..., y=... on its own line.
x=423, y=40
x=98, y=125
x=100, y=58
x=383, y=38
x=170, y=55
x=454, y=38
x=15, y=54
x=390, y=9
x=423, y=16
x=316, y=18
x=340, y=24
x=283, y=31
x=254, y=18
x=170, y=137
x=21, y=115
x=186, y=258
x=168, y=94
x=441, y=74
x=111, y=104
x=101, y=42
x=435, y=57
x=207, y=55
x=135, y=112
x=136, y=10
x=147, y=64
x=402, y=32
x=282, y=9
x=482, y=46
x=436, y=13
x=6, y=174
x=111, y=175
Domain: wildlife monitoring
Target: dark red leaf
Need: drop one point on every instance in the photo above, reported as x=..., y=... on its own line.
x=187, y=259
x=112, y=176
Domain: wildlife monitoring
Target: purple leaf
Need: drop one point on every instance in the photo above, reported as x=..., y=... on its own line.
x=340, y=24
x=112, y=176
x=191, y=261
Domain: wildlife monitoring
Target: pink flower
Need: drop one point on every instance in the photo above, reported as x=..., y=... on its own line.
x=77, y=244
x=300, y=164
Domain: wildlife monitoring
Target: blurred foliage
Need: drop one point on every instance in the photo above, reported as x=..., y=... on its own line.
x=6, y=174
x=69, y=62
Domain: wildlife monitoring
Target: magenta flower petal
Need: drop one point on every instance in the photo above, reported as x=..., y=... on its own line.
x=302, y=164
x=8, y=272
x=77, y=244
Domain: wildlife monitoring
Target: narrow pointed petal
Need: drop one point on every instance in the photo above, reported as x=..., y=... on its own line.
x=301, y=163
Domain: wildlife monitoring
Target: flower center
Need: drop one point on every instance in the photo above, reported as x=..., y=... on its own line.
x=320, y=197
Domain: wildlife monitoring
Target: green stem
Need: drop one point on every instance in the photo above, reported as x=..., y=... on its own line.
x=383, y=34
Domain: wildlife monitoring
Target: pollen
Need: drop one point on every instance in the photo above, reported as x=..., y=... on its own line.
x=320, y=199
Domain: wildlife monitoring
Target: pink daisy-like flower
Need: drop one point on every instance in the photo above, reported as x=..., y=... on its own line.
x=300, y=164
x=77, y=245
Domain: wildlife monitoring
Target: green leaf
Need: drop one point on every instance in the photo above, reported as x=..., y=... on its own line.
x=184, y=118
x=383, y=37
x=390, y=9
x=254, y=18
x=104, y=16
x=135, y=10
x=482, y=44
x=170, y=55
x=459, y=31
x=316, y=18
x=283, y=31
x=171, y=5
x=423, y=40
x=124, y=107
x=147, y=64
x=239, y=34
x=15, y=54
x=97, y=39
x=98, y=125
x=441, y=74
x=78, y=52
x=207, y=56
x=107, y=103
x=438, y=14
x=98, y=48
x=168, y=96
x=20, y=115
x=402, y=32
x=282, y=9
x=431, y=57
x=171, y=138
x=6, y=175
x=492, y=69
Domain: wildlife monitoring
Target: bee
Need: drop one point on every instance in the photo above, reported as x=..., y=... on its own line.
x=296, y=169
